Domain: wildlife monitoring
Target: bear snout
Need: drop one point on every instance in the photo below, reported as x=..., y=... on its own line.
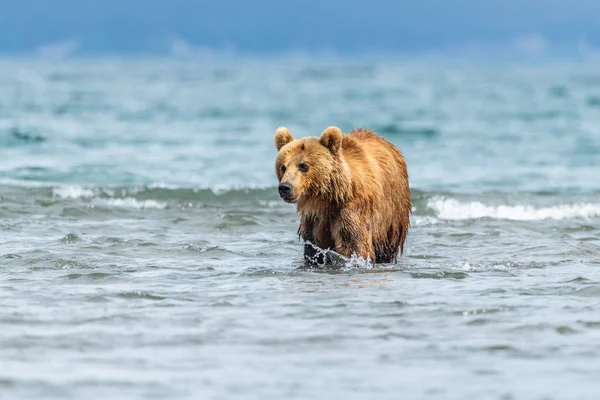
x=285, y=191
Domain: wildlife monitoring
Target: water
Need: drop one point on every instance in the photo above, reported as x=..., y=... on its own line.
x=145, y=253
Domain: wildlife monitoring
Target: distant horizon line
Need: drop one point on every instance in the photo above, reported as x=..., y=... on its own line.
x=314, y=55
x=529, y=47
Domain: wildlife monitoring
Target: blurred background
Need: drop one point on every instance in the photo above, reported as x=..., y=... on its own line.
x=144, y=252
x=494, y=29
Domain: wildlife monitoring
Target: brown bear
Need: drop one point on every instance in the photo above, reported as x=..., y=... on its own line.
x=351, y=192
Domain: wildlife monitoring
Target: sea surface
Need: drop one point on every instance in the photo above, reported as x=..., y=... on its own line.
x=144, y=252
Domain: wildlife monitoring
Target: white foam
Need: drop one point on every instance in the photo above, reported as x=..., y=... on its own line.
x=72, y=192
x=451, y=209
x=78, y=192
x=130, y=202
x=420, y=220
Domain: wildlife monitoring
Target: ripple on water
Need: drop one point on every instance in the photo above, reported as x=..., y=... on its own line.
x=479, y=311
x=593, y=101
x=70, y=238
x=268, y=272
x=117, y=242
x=503, y=348
x=201, y=247
x=480, y=322
x=508, y=266
x=76, y=212
x=590, y=324
x=544, y=327
x=7, y=383
x=233, y=220
x=17, y=256
x=70, y=264
x=593, y=290
x=139, y=295
x=208, y=251
x=439, y=275
x=394, y=304
x=407, y=131
x=23, y=136
x=580, y=279
x=94, y=276
x=97, y=299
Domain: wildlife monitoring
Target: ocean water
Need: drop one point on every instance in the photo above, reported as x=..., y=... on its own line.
x=144, y=252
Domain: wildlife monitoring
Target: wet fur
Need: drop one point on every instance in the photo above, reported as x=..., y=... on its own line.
x=355, y=197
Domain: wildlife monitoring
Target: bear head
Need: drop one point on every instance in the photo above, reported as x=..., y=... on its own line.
x=311, y=168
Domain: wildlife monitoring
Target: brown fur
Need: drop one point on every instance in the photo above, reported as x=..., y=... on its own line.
x=353, y=199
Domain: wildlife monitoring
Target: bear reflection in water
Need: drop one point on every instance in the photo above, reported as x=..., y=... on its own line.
x=351, y=192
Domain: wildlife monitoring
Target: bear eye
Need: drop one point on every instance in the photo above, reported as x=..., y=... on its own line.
x=283, y=169
x=303, y=167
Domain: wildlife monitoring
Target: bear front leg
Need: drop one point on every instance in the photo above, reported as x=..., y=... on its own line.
x=312, y=254
x=353, y=236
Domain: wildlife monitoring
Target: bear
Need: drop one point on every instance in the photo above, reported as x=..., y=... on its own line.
x=351, y=192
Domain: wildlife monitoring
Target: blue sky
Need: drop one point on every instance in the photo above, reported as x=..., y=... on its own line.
x=187, y=27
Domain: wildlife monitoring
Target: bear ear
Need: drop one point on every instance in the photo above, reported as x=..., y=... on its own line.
x=332, y=139
x=282, y=137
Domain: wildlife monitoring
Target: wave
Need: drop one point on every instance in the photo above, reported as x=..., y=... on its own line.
x=168, y=194
x=428, y=207
x=452, y=209
x=106, y=198
x=72, y=192
x=130, y=202
x=159, y=197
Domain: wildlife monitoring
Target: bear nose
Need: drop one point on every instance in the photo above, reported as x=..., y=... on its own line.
x=285, y=189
